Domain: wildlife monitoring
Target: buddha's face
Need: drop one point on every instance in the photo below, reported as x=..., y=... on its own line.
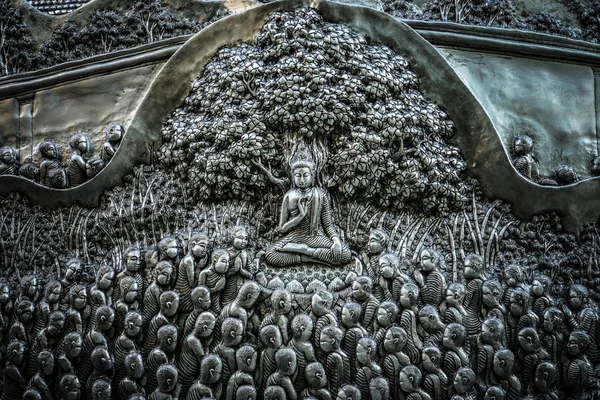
x=199, y=248
x=347, y=319
x=303, y=178
x=169, y=342
x=374, y=245
x=240, y=239
x=207, y=328
x=551, y=320
x=427, y=261
x=430, y=321
x=386, y=269
x=152, y=259
x=46, y=365
x=17, y=355
x=133, y=262
x=222, y=264
x=384, y=317
x=462, y=382
x=489, y=333
x=522, y=146
x=31, y=287
x=25, y=315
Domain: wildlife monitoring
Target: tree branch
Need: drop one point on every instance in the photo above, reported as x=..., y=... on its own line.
x=282, y=183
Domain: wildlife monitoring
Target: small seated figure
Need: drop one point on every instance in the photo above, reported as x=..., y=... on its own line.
x=48, y=338
x=281, y=305
x=129, y=340
x=80, y=144
x=169, y=304
x=348, y=392
x=19, y=330
x=128, y=301
x=164, y=353
x=42, y=379
x=431, y=281
x=491, y=339
x=317, y=382
x=246, y=359
x=114, y=134
x=71, y=277
x=379, y=389
x=540, y=291
x=553, y=334
x=453, y=343
x=103, y=366
x=168, y=387
x=431, y=325
x=435, y=380
x=504, y=362
x=338, y=363
x=520, y=317
x=394, y=358
x=366, y=362
x=58, y=178
x=524, y=160
x=578, y=369
x=49, y=303
x=378, y=242
x=513, y=278
x=239, y=260
x=565, y=174
x=546, y=378
x=464, y=384
x=362, y=289
x=491, y=300
x=14, y=382
x=233, y=334
x=270, y=340
x=101, y=291
x=98, y=335
x=134, y=380
x=409, y=298
x=474, y=277
x=302, y=329
x=69, y=387
x=388, y=274
x=452, y=309
x=101, y=390
x=214, y=277
x=322, y=315
x=387, y=314
x=582, y=315
x=79, y=311
x=30, y=171
x=285, y=362
x=208, y=384
x=306, y=222
x=93, y=166
x=132, y=268
x=189, y=269
x=51, y=161
x=195, y=346
x=200, y=298
x=163, y=273
x=9, y=161
x=531, y=353
x=410, y=384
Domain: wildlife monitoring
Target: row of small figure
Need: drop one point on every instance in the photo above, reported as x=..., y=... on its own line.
x=81, y=167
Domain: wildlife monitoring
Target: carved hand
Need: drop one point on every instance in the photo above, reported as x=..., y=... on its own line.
x=336, y=248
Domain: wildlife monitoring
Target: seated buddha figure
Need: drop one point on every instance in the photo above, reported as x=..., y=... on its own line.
x=306, y=222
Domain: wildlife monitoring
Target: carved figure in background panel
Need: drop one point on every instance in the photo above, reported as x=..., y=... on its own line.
x=168, y=387
x=51, y=160
x=208, y=383
x=491, y=339
x=233, y=334
x=80, y=145
x=58, y=178
x=513, y=278
x=103, y=367
x=322, y=316
x=519, y=317
x=281, y=305
x=114, y=134
x=9, y=161
x=430, y=279
x=432, y=326
x=194, y=347
x=524, y=160
x=464, y=384
x=163, y=274
x=214, y=277
x=200, y=298
x=353, y=332
x=129, y=340
x=97, y=335
x=367, y=367
x=169, y=304
x=246, y=359
x=362, y=289
x=302, y=329
x=540, y=291
x=285, y=362
x=134, y=380
x=409, y=298
x=378, y=241
x=72, y=275
x=456, y=357
x=70, y=387
x=239, y=260
x=337, y=362
x=242, y=307
x=93, y=166
x=553, y=335
x=317, y=382
x=19, y=330
x=410, y=384
x=546, y=378
x=578, y=372
x=395, y=358
x=132, y=268
x=504, y=362
x=387, y=315
x=30, y=171
x=582, y=316
x=129, y=300
x=270, y=340
x=531, y=354
x=474, y=278
x=491, y=300
x=435, y=381
x=14, y=382
x=348, y=392
x=189, y=270
x=101, y=390
x=79, y=311
x=68, y=360
x=452, y=309
x=48, y=304
x=41, y=379
x=101, y=291
x=164, y=353
x=306, y=222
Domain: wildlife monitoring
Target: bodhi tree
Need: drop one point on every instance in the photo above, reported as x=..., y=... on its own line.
x=16, y=49
x=356, y=105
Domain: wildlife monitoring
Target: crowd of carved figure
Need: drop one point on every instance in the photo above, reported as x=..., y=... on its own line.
x=50, y=172
x=197, y=325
